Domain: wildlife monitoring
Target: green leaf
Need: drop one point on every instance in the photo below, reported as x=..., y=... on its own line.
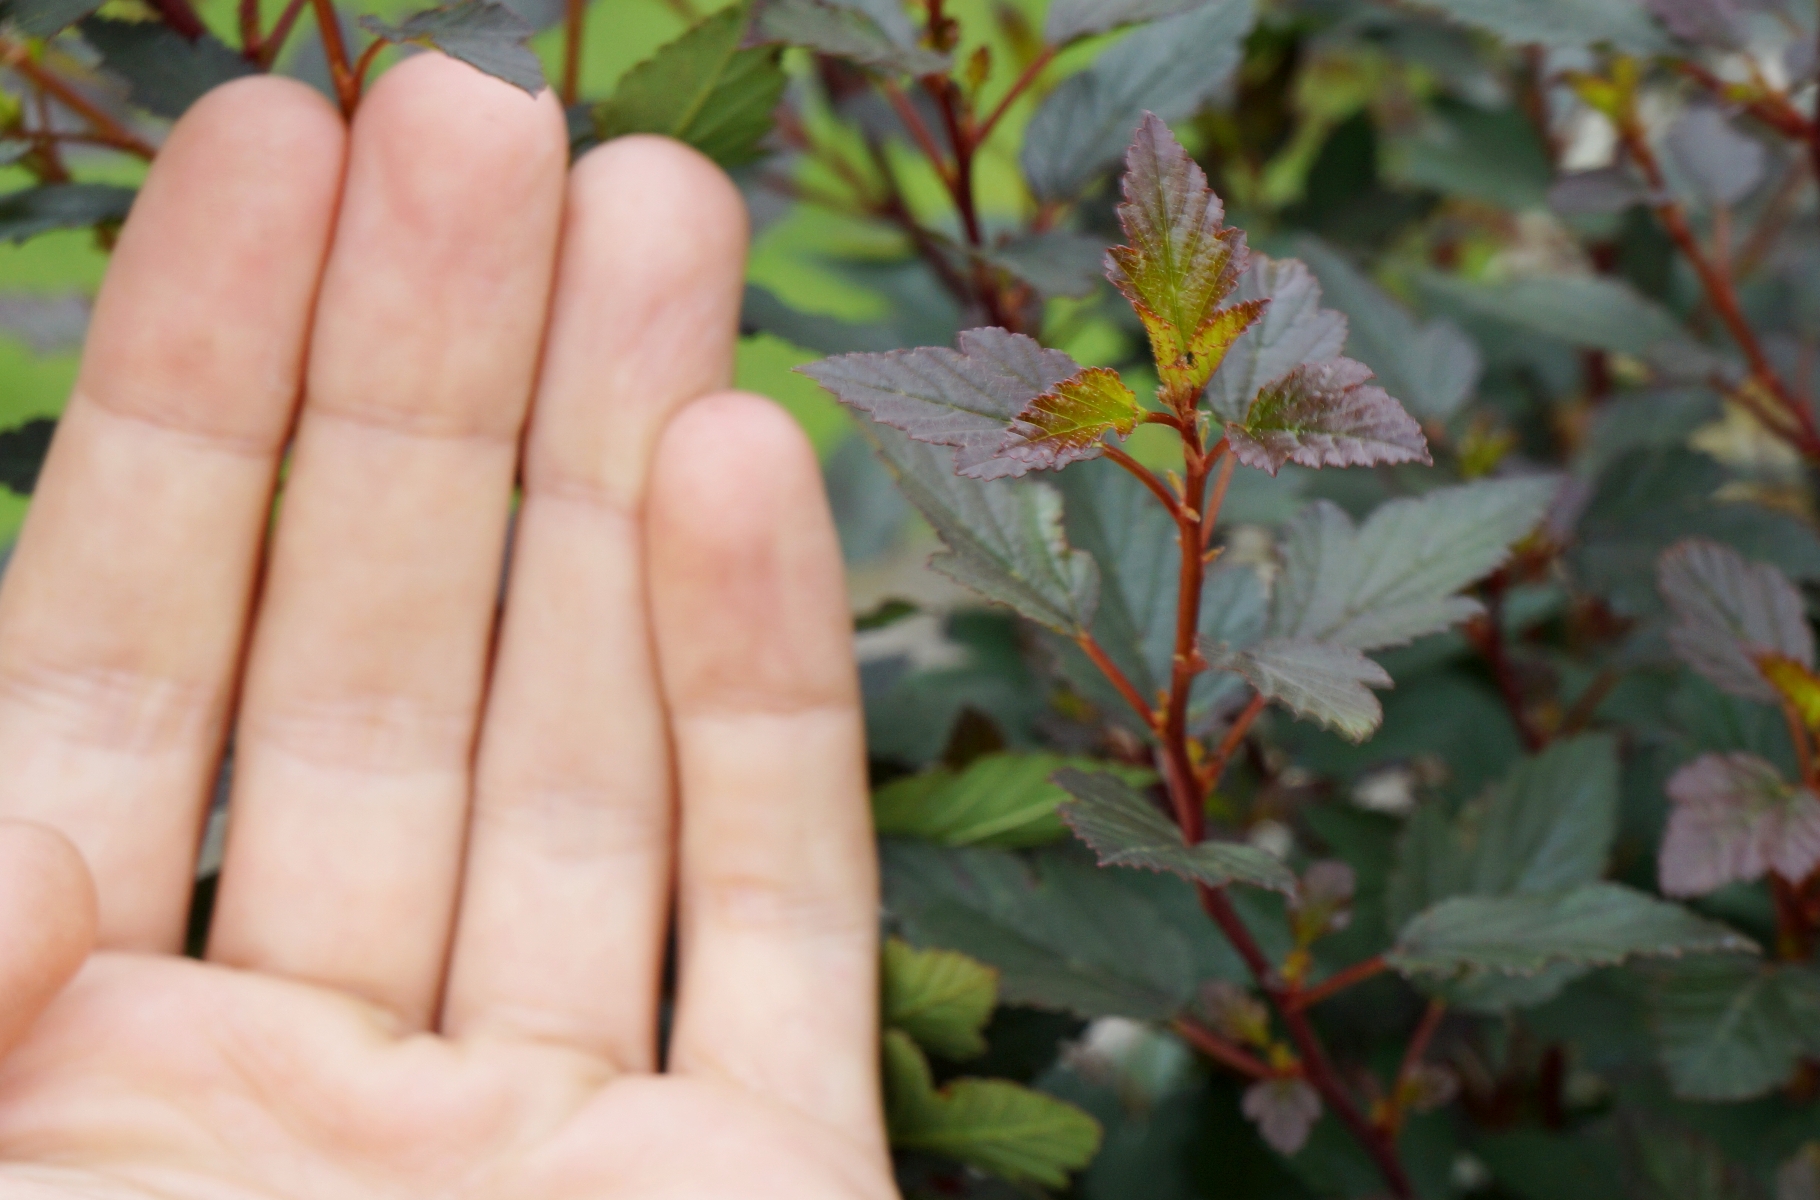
x=1729, y=613
x=1055, y=263
x=963, y=398
x=486, y=35
x=22, y=451
x=1621, y=24
x=939, y=997
x=1004, y=538
x=1599, y=311
x=1326, y=415
x=1549, y=823
x=1069, y=423
x=45, y=18
x=1062, y=933
x=1730, y=1027
x=1003, y=800
x=1317, y=680
x=32, y=211
x=1432, y=368
x=700, y=89
x=1182, y=261
x=1168, y=68
x=1594, y=924
x=165, y=71
x=1294, y=329
x=1395, y=578
x=1012, y=1131
x=859, y=33
x=1070, y=19
x=1733, y=820
x=1126, y=830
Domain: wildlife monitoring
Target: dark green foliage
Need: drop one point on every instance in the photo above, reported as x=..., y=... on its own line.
x=22, y=452
x=165, y=71
x=482, y=33
x=32, y=211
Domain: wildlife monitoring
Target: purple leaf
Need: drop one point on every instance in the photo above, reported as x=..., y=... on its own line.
x=1730, y=613
x=1326, y=682
x=1294, y=329
x=1326, y=415
x=962, y=398
x=1182, y=261
x=1285, y=1111
x=1734, y=819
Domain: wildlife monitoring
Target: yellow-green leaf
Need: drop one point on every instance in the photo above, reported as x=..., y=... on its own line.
x=1001, y=800
x=941, y=998
x=1066, y=423
x=1016, y=1132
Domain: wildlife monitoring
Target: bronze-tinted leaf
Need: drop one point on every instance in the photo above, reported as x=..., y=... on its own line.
x=1326, y=415
x=1069, y=422
x=1735, y=819
x=1730, y=613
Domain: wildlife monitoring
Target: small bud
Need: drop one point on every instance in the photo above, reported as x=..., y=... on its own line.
x=1285, y=1111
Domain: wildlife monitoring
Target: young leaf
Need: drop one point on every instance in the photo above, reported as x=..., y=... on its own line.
x=963, y=398
x=1126, y=830
x=1070, y=19
x=1734, y=820
x=1004, y=539
x=1169, y=68
x=165, y=71
x=1069, y=422
x=1182, y=261
x=940, y=998
x=486, y=35
x=1012, y=1131
x=1326, y=415
x=1731, y=613
x=1318, y=680
x=45, y=18
x=1432, y=368
x=1295, y=329
x=1059, y=930
x=861, y=33
x=1593, y=924
x=1730, y=1027
x=1395, y=578
x=701, y=89
x=35, y=210
x=1285, y=1111
x=1003, y=800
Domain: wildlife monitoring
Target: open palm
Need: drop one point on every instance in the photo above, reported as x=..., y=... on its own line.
x=460, y=829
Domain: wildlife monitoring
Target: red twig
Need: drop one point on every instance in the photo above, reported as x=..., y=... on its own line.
x=574, y=19
x=1219, y=1049
x=364, y=64
x=181, y=18
x=281, y=32
x=1118, y=678
x=110, y=131
x=1229, y=745
x=1145, y=476
x=1338, y=982
x=1418, y=1042
x=1218, y=500
x=250, y=35
x=919, y=130
x=335, y=49
x=1723, y=297
x=1491, y=644
x=1773, y=110
x=1586, y=706
x=1018, y=88
x=1315, y=1066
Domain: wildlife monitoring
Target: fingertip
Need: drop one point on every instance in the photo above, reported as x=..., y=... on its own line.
x=677, y=185
x=431, y=97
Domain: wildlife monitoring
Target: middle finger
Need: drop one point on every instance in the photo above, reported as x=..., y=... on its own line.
x=369, y=654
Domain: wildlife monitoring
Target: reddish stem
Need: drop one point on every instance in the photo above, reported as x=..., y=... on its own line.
x=1316, y=1068
x=281, y=32
x=1229, y=745
x=919, y=131
x=1018, y=88
x=574, y=18
x=250, y=36
x=1723, y=297
x=181, y=17
x=1773, y=110
x=1145, y=476
x=1218, y=500
x=1219, y=1049
x=347, y=87
x=364, y=64
x=1418, y=1042
x=1586, y=706
x=16, y=56
x=1118, y=678
x=1338, y=982
x=1498, y=659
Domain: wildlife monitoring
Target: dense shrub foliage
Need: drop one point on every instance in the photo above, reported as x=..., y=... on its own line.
x=1371, y=748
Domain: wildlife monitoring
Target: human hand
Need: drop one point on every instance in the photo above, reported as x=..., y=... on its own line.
x=436, y=957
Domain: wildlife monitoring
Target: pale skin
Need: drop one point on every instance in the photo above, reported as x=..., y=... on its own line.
x=461, y=830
